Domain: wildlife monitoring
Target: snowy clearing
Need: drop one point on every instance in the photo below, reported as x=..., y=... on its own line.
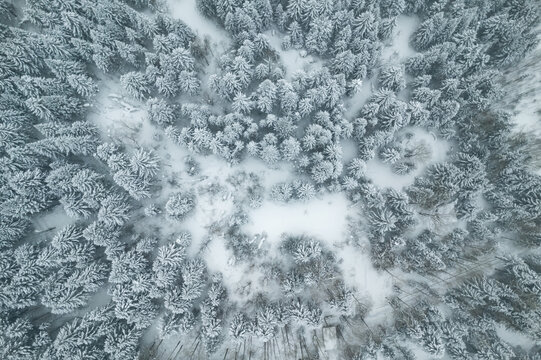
x=400, y=49
x=241, y=280
x=324, y=218
x=119, y=118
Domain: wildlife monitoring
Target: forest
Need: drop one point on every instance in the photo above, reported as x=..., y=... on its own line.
x=270, y=179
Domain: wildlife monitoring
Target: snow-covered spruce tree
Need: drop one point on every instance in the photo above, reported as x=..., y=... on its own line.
x=12, y=230
x=212, y=313
x=20, y=339
x=179, y=205
x=176, y=324
x=114, y=210
x=135, y=85
x=122, y=342
x=161, y=112
x=392, y=77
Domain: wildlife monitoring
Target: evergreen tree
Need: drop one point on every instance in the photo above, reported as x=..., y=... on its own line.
x=266, y=96
x=114, y=210
x=161, y=112
x=135, y=84
x=242, y=103
x=392, y=77
x=179, y=205
x=122, y=342
x=176, y=324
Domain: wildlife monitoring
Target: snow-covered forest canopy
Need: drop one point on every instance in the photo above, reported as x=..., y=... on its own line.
x=270, y=179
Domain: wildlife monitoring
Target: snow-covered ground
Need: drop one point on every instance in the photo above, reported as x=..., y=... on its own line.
x=323, y=218
x=51, y=220
x=528, y=117
x=186, y=10
x=211, y=209
x=241, y=279
x=349, y=150
x=528, y=109
x=528, y=89
x=523, y=98
x=513, y=337
x=400, y=49
x=372, y=285
x=118, y=117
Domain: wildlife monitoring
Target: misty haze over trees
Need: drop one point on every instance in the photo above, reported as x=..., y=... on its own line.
x=270, y=179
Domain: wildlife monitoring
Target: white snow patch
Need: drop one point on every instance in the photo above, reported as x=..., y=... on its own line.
x=186, y=10
x=525, y=98
x=215, y=208
x=360, y=274
x=119, y=118
x=51, y=221
x=528, y=89
x=349, y=150
x=528, y=109
x=513, y=337
x=269, y=176
x=382, y=175
x=400, y=48
x=207, y=211
x=527, y=117
x=324, y=218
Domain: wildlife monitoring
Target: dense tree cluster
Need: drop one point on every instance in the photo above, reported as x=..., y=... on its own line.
x=479, y=308
x=52, y=159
